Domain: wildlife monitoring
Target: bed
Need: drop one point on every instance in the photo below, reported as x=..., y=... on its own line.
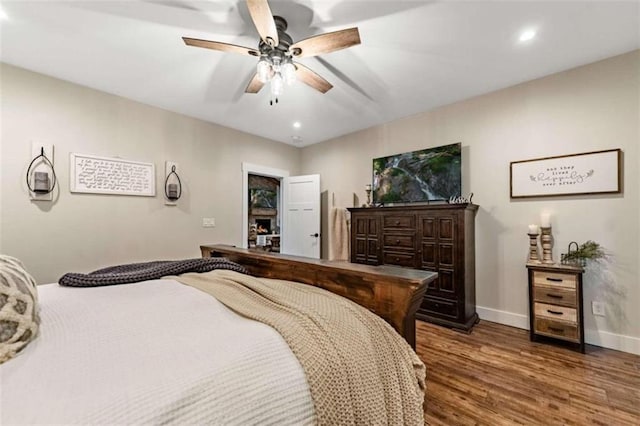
x=165, y=351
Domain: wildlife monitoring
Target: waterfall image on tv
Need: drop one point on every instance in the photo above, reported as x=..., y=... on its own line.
x=431, y=174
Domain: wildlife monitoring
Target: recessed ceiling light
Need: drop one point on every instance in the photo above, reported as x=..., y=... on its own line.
x=297, y=124
x=3, y=15
x=527, y=35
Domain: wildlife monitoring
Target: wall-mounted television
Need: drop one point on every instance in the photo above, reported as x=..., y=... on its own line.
x=261, y=198
x=432, y=174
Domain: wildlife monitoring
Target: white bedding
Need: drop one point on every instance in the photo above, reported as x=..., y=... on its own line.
x=151, y=352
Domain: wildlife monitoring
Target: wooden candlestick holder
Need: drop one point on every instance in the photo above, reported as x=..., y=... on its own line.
x=547, y=245
x=534, y=255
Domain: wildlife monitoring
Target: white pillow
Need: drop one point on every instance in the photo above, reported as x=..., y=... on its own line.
x=19, y=317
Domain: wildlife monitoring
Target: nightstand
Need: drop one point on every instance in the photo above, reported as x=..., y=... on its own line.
x=555, y=303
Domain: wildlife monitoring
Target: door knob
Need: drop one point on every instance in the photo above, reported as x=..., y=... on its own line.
x=314, y=235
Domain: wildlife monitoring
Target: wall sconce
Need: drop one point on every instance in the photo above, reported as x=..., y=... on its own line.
x=172, y=184
x=40, y=184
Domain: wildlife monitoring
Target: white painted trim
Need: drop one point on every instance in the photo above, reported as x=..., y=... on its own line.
x=619, y=342
x=254, y=169
x=605, y=339
x=503, y=317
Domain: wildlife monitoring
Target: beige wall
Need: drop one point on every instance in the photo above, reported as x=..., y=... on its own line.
x=590, y=108
x=81, y=232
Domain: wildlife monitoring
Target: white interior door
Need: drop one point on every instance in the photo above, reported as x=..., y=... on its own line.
x=301, y=216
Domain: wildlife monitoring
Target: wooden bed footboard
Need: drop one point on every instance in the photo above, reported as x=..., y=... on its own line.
x=391, y=292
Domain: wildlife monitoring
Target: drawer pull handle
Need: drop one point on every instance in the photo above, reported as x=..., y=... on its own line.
x=397, y=259
x=554, y=312
x=557, y=330
x=555, y=280
x=555, y=296
x=397, y=222
x=397, y=241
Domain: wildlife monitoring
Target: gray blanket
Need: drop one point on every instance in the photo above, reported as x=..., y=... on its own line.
x=136, y=272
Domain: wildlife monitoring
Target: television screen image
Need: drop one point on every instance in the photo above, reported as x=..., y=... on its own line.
x=263, y=198
x=432, y=174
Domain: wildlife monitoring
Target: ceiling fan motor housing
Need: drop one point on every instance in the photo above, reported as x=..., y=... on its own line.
x=284, y=38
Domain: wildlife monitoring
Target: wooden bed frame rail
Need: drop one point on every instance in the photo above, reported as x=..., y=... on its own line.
x=393, y=293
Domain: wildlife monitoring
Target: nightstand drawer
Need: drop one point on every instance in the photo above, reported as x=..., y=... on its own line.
x=557, y=329
x=555, y=296
x=557, y=279
x=555, y=312
x=399, y=241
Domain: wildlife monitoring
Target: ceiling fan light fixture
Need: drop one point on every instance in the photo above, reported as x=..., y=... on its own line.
x=289, y=73
x=277, y=85
x=263, y=69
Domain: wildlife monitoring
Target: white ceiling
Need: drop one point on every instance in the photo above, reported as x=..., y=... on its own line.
x=414, y=56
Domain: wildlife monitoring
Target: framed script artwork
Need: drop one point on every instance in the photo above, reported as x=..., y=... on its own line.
x=103, y=175
x=587, y=173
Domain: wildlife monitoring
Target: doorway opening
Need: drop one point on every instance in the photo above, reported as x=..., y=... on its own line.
x=298, y=225
x=265, y=207
x=262, y=180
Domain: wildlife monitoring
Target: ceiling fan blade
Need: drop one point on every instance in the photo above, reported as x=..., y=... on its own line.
x=312, y=79
x=263, y=20
x=254, y=85
x=217, y=45
x=325, y=43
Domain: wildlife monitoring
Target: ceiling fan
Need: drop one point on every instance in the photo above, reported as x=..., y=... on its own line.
x=276, y=51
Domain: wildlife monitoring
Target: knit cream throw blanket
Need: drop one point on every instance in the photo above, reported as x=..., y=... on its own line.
x=359, y=370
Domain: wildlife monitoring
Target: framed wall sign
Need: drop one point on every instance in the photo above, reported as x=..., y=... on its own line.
x=596, y=172
x=102, y=175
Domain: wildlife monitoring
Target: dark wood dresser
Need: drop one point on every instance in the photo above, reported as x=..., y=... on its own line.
x=438, y=238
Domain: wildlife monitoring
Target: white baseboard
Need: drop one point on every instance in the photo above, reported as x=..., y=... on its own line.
x=619, y=342
x=503, y=317
x=606, y=339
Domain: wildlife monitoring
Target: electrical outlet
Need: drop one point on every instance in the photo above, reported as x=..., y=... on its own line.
x=597, y=308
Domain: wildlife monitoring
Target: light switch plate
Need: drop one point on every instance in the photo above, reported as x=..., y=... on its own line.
x=41, y=166
x=208, y=222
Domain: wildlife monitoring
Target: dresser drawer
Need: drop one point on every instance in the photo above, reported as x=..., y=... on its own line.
x=399, y=241
x=440, y=307
x=399, y=259
x=557, y=329
x=555, y=295
x=399, y=221
x=555, y=312
x=557, y=279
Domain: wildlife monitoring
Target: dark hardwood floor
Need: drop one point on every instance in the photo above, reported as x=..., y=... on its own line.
x=496, y=376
